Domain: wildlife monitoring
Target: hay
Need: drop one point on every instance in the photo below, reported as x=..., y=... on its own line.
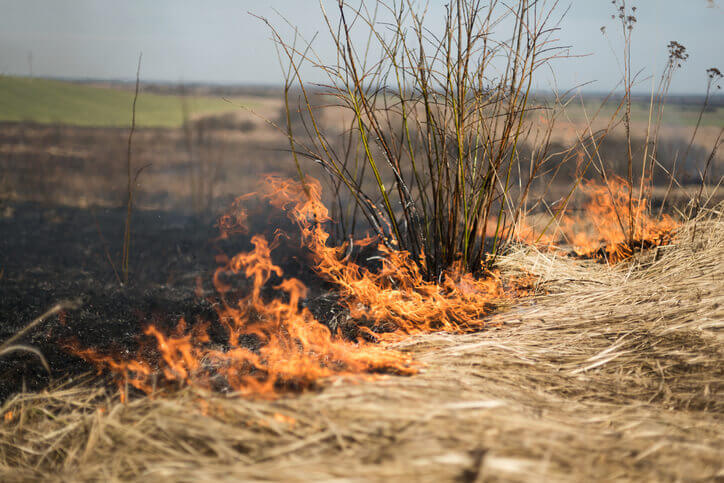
x=614, y=373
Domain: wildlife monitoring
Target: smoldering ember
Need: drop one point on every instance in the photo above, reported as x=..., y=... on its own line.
x=429, y=250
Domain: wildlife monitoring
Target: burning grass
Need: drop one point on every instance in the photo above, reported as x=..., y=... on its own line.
x=613, y=373
x=396, y=298
x=274, y=345
x=611, y=227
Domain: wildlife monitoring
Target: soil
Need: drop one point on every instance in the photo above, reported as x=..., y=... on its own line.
x=53, y=253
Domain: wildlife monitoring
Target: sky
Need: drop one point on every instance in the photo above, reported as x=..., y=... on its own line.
x=218, y=41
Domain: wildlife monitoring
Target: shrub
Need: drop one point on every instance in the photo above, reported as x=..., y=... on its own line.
x=435, y=122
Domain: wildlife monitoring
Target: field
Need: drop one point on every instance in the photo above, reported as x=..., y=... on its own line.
x=588, y=372
x=56, y=102
x=47, y=101
x=682, y=113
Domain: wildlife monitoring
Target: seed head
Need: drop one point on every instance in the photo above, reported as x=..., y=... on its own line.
x=715, y=76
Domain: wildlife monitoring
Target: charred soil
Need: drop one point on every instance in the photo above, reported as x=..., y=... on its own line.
x=53, y=253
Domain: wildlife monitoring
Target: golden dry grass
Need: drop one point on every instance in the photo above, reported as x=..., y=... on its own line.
x=608, y=374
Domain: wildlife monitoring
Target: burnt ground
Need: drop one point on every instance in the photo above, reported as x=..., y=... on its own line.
x=52, y=253
x=62, y=185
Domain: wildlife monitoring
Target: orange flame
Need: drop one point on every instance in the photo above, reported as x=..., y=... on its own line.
x=274, y=345
x=611, y=228
x=396, y=299
x=234, y=220
x=621, y=226
x=292, y=349
x=283, y=418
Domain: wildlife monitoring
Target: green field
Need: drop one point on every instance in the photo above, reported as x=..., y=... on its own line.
x=51, y=101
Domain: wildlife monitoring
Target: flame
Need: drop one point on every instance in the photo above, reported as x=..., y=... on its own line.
x=291, y=349
x=234, y=220
x=528, y=234
x=620, y=226
x=273, y=345
x=284, y=419
x=396, y=299
x=611, y=228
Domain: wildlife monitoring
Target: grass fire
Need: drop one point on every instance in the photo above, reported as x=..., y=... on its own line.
x=442, y=245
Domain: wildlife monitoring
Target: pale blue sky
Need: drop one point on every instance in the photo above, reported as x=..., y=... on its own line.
x=218, y=41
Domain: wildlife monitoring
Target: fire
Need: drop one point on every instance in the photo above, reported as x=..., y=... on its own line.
x=274, y=344
x=395, y=299
x=284, y=419
x=271, y=345
x=612, y=226
x=620, y=225
x=235, y=219
x=526, y=233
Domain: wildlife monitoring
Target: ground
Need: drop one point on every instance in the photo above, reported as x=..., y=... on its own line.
x=51, y=101
x=604, y=373
x=37, y=274
x=609, y=373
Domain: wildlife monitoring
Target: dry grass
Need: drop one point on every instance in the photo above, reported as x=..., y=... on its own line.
x=615, y=374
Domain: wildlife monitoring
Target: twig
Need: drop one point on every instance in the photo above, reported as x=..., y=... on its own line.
x=129, y=205
x=105, y=248
x=8, y=346
x=697, y=206
x=27, y=348
x=59, y=307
